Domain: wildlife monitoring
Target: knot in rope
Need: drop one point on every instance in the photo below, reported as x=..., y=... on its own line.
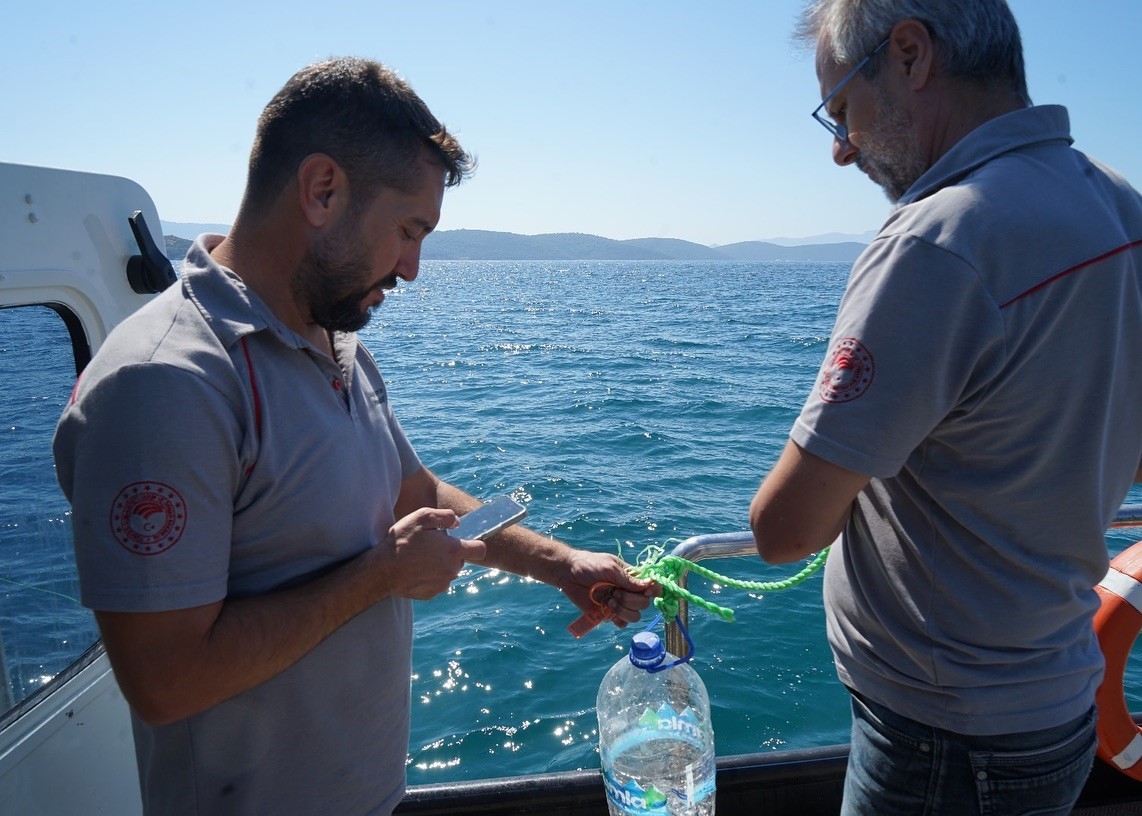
x=667, y=571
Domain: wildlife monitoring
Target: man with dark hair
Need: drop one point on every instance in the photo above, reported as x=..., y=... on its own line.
x=368, y=119
x=250, y=522
x=975, y=423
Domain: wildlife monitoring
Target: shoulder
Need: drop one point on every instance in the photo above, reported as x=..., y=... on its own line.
x=1023, y=215
x=167, y=342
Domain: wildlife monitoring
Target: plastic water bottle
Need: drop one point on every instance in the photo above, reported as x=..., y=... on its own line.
x=655, y=739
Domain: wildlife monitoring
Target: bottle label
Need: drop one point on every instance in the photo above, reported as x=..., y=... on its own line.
x=695, y=780
x=663, y=723
x=684, y=725
x=631, y=798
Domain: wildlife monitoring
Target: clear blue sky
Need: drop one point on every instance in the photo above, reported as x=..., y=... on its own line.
x=619, y=118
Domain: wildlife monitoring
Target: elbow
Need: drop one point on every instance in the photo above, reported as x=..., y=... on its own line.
x=756, y=527
x=151, y=713
x=768, y=555
x=158, y=703
x=774, y=551
x=152, y=709
x=157, y=717
x=766, y=539
x=777, y=541
x=761, y=541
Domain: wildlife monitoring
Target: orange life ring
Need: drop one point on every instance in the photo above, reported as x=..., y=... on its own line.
x=1117, y=624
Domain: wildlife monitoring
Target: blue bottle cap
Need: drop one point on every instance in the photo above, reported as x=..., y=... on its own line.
x=646, y=650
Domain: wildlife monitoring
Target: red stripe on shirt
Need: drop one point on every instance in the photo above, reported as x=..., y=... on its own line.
x=257, y=399
x=1075, y=268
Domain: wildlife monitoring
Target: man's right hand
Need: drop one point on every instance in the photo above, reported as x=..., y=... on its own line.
x=173, y=664
x=421, y=558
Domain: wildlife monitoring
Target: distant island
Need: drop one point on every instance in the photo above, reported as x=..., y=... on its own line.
x=176, y=247
x=486, y=245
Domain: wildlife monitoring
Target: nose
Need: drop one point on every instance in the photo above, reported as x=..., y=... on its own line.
x=408, y=265
x=844, y=153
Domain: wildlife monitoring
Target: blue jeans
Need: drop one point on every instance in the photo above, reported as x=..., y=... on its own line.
x=899, y=767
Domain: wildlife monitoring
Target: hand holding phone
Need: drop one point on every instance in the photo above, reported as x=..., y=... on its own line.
x=490, y=519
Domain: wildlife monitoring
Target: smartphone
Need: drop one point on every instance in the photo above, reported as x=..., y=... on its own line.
x=490, y=519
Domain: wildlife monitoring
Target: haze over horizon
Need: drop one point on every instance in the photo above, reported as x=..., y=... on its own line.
x=622, y=120
x=191, y=229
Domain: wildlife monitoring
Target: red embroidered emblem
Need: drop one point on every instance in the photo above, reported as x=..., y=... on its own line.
x=148, y=518
x=848, y=373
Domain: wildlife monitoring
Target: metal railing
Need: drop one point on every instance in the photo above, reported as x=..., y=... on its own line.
x=1129, y=516
x=734, y=545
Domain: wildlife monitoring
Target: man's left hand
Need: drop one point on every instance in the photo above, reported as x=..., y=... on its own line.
x=627, y=600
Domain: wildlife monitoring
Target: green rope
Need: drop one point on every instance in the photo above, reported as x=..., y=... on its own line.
x=667, y=570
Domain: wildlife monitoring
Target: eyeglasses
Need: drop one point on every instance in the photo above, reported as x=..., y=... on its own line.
x=840, y=131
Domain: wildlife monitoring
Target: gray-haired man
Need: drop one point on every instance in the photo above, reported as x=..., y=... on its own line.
x=975, y=423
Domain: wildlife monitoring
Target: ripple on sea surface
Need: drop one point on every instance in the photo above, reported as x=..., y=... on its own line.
x=627, y=404
x=634, y=404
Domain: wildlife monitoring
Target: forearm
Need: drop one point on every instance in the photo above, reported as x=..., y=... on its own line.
x=802, y=505
x=517, y=549
x=176, y=664
x=526, y=552
x=779, y=541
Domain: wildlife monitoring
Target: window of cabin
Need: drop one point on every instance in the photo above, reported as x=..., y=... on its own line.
x=43, y=628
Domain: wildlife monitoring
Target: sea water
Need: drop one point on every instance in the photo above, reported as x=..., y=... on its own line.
x=626, y=403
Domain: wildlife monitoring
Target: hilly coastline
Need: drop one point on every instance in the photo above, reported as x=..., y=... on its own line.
x=487, y=245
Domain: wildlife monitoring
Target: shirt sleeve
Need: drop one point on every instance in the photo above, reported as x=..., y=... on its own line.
x=915, y=339
x=148, y=456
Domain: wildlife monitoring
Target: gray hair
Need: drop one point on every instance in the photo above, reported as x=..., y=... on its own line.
x=975, y=39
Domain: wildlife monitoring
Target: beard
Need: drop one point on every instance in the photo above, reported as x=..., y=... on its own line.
x=890, y=154
x=331, y=280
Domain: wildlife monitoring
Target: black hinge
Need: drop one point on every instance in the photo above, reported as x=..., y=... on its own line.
x=150, y=272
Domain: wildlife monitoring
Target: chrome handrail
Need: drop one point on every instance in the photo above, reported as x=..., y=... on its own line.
x=734, y=545
x=1129, y=515
x=699, y=548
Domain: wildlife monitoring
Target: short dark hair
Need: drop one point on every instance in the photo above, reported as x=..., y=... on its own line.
x=363, y=116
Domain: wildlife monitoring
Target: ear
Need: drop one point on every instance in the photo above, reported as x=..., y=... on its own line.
x=322, y=188
x=910, y=46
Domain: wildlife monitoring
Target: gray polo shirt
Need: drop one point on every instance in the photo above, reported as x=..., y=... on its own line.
x=984, y=370
x=210, y=452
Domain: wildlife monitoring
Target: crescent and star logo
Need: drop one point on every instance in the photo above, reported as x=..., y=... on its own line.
x=848, y=373
x=148, y=518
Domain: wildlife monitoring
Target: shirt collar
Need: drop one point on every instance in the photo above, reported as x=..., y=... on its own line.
x=228, y=305
x=1003, y=134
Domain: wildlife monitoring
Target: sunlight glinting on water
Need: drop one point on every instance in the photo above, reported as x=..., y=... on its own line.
x=624, y=403
x=621, y=403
